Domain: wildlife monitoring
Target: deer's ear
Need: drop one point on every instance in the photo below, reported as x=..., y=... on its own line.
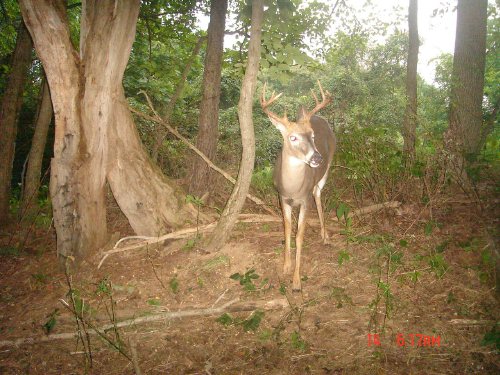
x=281, y=126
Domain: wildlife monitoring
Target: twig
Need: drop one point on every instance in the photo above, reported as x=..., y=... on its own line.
x=135, y=360
x=231, y=306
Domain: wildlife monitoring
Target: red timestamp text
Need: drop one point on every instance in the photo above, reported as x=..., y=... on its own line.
x=410, y=339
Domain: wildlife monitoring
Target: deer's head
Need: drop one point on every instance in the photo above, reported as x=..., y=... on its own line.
x=298, y=136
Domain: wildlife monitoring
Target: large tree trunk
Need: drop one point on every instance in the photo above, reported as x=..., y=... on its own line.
x=410, y=120
x=465, y=134
x=91, y=118
x=200, y=174
x=9, y=111
x=34, y=168
x=141, y=190
x=245, y=104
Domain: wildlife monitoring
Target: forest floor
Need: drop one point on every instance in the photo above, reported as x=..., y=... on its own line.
x=401, y=291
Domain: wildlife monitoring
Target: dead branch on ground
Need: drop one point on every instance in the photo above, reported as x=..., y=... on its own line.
x=243, y=218
x=231, y=306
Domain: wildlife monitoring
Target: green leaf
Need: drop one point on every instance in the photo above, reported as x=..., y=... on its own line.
x=225, y=319
x=252, y=323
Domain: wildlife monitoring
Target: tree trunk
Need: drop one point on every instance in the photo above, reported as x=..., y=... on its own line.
x=9, y=111
x=410, y=120
x=465, y=133
x=140, y=189
x=200, y=174
x=35, y=157
x=240, y=190
x=94, y=130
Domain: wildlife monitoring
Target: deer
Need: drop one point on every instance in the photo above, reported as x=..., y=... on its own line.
x=301, y=169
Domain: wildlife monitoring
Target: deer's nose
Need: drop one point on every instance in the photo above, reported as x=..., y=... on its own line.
x=316, y=160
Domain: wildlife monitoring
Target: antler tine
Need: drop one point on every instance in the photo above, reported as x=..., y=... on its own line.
x=326, y=98
x=265, y=103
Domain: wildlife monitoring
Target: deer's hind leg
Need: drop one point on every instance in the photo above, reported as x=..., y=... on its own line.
x=317, y=198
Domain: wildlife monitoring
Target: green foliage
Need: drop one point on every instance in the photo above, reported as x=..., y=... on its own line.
x=51, y=322
x=492, y=338
x=297, y=341
x=246, y=279
x=438, y=264
x=343, y=257
x=174, y=285
x=252, y=323
x=262, y=180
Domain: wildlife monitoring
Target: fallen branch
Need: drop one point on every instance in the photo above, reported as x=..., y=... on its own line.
x=226, y=175
x=231, y=306
x=243, y=218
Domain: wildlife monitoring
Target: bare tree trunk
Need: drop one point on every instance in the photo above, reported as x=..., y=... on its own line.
x=161, y=133
x=88, y=97
x=410, y=120
x=240, y=190
x=143, y=193
x=200, y=174
x=9, y=111
x=35, y=157
x=465, y=133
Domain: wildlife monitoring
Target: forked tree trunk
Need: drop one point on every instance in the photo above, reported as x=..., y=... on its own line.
x=10, y=106
x=410, y=120
x=245, y=104
x=466, y=128
x=95, y=133
x=200, y=174
x=35, y=157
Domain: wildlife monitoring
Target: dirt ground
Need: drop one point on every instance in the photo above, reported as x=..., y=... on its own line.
x=400, y=291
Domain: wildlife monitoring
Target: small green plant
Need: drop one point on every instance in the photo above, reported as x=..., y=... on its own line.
x=154, y=302
x=252, y=323
x=51, y=322
x=297, y=341
x=492, y=338
x=438, y=264
x=343, y=257
x=246, y=279
x=340, y=296
x=174, y=284
x=9, y=250
x=343, y=213
x=198, y=203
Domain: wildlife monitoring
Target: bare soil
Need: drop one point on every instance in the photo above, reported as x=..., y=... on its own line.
x=397, y=275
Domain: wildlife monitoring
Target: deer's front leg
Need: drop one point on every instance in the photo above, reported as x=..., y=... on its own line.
x=299, y=239
x=287, y=221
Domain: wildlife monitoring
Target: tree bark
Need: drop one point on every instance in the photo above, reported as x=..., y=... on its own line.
x=410, y=120
x=9, y=112
x=200, y=175
x=245, y=104
x=35, y=157
x=94, y=130
x=465, y=133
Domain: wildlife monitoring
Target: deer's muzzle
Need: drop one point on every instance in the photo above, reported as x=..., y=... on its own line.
x=315, y=160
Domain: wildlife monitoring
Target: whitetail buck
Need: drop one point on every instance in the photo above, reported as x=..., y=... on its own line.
x=301, y=169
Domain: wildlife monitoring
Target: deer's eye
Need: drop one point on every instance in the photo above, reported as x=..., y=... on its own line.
x=293, y=138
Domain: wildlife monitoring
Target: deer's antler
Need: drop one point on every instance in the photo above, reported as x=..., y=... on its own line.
x=266, y=103
x=326, y=98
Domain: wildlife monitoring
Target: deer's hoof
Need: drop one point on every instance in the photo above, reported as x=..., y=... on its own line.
x=296, y=285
